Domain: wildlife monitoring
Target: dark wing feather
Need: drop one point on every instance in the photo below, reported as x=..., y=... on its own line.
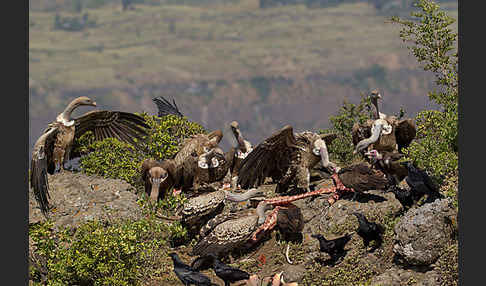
x=405, y=132
x=124, y=126
x=263, y=160
x=361, y=131
x=362, y=178
x=328, y=138
x=41, y=157
x=165, y=107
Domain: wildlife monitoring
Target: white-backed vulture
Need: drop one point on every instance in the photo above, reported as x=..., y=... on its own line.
x=383, y=133
x=158, y=177
x=54, y=146
x=286, y=158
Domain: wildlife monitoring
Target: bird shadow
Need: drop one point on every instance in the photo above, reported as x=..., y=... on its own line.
x=365, y=197
x=332, y=261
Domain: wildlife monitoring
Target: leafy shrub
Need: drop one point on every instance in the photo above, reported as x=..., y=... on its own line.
x=433, y=43
x=99, y=254
x=341, y=149
x=111, y=158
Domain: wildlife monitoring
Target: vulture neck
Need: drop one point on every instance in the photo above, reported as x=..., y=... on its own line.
x=65, y=116
x=241, y=141
x=377, y=111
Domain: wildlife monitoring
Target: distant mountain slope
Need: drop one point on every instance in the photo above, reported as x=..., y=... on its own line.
x=262, y=67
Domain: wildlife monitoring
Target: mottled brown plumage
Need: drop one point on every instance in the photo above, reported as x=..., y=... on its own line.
x=389, y=164
x=55, y=146
x=198, y=210
x=287, y=158
x=158, y=177
x=212, y=166
x=362, y=177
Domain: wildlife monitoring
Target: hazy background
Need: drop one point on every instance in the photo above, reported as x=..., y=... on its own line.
x=264, y=63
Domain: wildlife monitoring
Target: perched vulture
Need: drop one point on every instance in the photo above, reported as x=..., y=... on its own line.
x=189, y=157
x=159, y=177
x=388, y=163
x=286, y=158
x=54, y=146
x=386, y=133
x=361, y=177
x=212, y=166
x=242, y=150
x=198, y=210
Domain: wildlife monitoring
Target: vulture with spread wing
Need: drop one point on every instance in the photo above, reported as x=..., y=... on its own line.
x=383, y=132
x=54, y=146
x=286, y=158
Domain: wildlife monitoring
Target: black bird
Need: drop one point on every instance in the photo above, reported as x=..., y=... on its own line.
x=369, y=231
x=227, y=273
x=333, y=247
x=187, y=274
x=421, y=183
x=404, y=196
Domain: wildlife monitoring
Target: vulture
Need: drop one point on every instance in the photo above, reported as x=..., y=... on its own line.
x=158, y=177
x=228, y=231
x=192, y=159
x=287, y=158
x=196, y=211
x=386, y=133
x=242, y=150
x=212, y=166
x=54, y=146
x=236, y=154
x=388, y=163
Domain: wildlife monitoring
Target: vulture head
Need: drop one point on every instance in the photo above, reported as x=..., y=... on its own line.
x=319, y=148
x=374, y=156
x=157, y=175
x=211, y=159
x=374, y=96
x=84, y=100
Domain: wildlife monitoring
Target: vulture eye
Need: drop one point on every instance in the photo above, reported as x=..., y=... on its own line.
x=316, y=151
x=202, y=164
x=214, y=163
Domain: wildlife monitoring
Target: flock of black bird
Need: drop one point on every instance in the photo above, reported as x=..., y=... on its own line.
x=285, y=157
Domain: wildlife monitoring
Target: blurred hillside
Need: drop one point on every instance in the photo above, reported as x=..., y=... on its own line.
x=221, y=60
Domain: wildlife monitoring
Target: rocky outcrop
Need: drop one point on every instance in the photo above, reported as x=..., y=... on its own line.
x=397, y=276
x=423, y=232
x=78, y=198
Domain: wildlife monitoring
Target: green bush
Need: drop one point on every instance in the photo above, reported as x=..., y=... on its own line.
x=99, y=254
x=341, y=149
x=111, y=158
x=433, y=43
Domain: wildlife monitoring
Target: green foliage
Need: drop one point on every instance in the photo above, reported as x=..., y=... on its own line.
x=341, y=149
x=111, y=158
x=433, y=43
x=99, y=254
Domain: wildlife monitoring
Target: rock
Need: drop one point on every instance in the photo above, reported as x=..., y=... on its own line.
x=78, y=198
x=423, y=232
x=338, y=219
x=293, y=273
x=397, y=276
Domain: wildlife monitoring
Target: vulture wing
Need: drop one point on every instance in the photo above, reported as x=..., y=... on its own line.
x=165, y=107
x=362, y=178
x=361, y=131
x=41, y=158
x=123, y=126
x=405, y=132
x=264, y=158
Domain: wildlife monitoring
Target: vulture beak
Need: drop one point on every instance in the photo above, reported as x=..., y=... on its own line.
x=94, y=103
